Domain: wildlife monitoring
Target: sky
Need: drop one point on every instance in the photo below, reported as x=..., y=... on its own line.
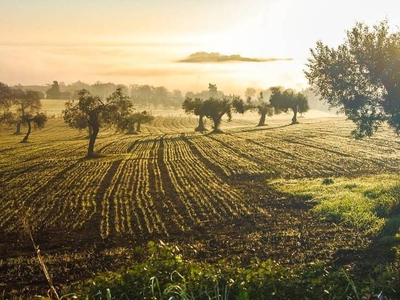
x=263, y=43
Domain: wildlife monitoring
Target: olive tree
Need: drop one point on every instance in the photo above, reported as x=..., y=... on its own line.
x=128, y=123
x=259, y=105
x=287, y=99
x=27, y=111
x=21, y=108
x=195, y=107
x=142, y=118
x=216, y=108
x=93, y=113
x=361, y=76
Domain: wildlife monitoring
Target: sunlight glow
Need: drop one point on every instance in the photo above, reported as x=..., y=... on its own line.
x=132, y=42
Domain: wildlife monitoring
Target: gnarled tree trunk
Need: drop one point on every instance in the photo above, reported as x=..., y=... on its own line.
x=131, y=128
x=294, y=119
x=217, y=122
x=92, y=140
x=90, y=131
x=262, y=119
x=18, y=129
x=25, y=139
x=201, y=126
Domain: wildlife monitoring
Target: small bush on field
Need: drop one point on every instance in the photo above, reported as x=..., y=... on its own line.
x=327, y=181
x=350, y=186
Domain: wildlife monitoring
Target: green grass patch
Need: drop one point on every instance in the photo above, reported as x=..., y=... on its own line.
x=367, y=203
x=167, y=274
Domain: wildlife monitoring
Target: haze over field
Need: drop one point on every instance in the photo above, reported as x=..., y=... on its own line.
x=259, y=43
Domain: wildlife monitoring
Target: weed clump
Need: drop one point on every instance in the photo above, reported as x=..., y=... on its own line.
x=327, y=181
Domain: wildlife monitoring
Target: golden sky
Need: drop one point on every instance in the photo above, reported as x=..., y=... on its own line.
x=141, y=42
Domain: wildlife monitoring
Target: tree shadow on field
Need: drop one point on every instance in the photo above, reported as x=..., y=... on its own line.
x=294, y=233
x=265, y=128
x=285, y=227
x=212, y=132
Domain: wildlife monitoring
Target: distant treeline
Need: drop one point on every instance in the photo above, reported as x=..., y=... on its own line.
x=141, y=95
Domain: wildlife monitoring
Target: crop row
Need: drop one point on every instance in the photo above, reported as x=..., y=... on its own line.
x=204, y=194
x=295, y=152
x=123, y=195
x=127, y=206
x=56, y=196
x=228, y=159
x=116, y=144
x=162, y=125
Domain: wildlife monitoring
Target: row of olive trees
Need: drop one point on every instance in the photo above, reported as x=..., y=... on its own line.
x=217, y=105
x=19, y=108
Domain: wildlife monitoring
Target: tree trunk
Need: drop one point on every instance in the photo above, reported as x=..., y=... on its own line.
x=25, y=139
x=131, y=128
x=262, y=119
x=201, y=126
x=18, y=129
x=138, y=126
x=92, y=140
x=217, y=122
x=294, y=119
x=90, y=131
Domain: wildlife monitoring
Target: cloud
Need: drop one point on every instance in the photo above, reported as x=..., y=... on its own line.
x=215, y=57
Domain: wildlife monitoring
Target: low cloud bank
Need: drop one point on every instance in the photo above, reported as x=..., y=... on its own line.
x=205, y=57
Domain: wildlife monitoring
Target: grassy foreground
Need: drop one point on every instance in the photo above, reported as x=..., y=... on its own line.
x=370, y=204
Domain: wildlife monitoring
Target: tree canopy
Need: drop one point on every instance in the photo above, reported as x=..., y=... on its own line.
x=92, y=113
x=361, y=77
x=128, y=123
x=287, y=99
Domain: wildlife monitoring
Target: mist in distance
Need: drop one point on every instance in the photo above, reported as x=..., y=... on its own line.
x=147, y=64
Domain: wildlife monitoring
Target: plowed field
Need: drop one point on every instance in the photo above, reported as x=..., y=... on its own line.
x=207, y=192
